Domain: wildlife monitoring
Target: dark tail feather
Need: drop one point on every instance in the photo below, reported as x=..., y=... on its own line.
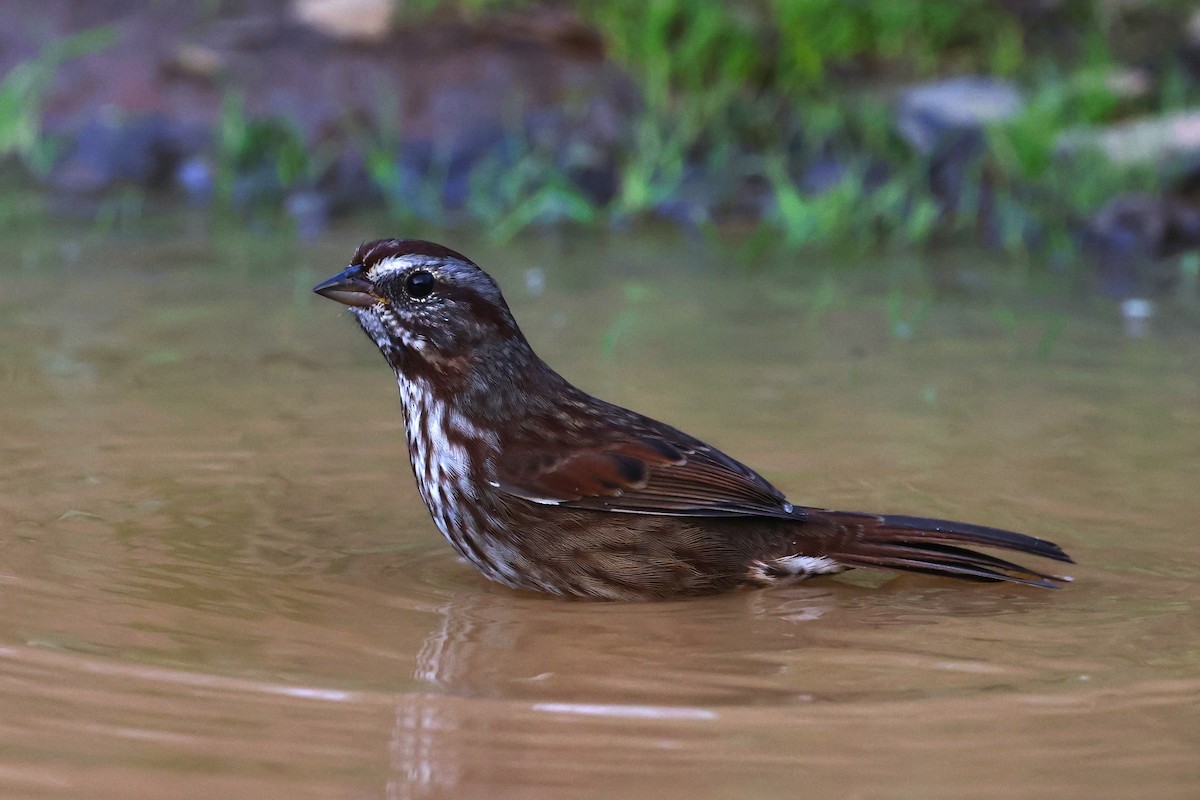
x=916, y=544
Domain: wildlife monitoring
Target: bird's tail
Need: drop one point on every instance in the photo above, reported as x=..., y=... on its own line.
x=935, y=546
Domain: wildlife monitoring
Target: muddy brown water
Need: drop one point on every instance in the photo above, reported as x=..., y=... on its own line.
x=216, y=578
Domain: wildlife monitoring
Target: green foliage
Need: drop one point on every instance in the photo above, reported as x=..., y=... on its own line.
x=734, y=95
x=815, y=34
x=272, y=146
x=21, y=94
x=1055, y=103
x=789, y=46
x=687, y=46
x=537, y=200
x=653, y=168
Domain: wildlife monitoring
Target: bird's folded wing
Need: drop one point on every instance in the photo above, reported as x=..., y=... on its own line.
x=649, y=475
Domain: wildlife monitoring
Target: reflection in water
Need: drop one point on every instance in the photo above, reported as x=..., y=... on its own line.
x=423, y=749
x=517, y=694
x=424, y=745
x=577, y=661
x=509, y=683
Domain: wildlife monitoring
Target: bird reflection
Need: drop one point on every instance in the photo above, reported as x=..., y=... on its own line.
x=507, y=679
x=510, y=683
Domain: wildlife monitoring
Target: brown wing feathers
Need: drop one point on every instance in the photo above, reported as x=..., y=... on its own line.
x=639, y=476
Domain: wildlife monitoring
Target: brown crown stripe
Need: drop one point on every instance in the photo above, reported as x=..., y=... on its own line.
x=371, y=253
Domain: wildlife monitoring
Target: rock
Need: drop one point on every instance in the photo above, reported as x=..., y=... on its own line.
x=346, y=20
x=584, y=147
x=433, y=79
x=1127, y=85
x=821, y=174
x=927, y=114
x=954, y=166
x=549, y=25
x=196, y=61
x=1134, y=238
x=195, y=177
x=1152, y=141
x=145, y=151
x=599, y=182
x=946, y=121
x=1147, y=225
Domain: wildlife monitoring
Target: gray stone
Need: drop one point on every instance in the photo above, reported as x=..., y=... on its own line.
x=1154, y=141
x=930, y=113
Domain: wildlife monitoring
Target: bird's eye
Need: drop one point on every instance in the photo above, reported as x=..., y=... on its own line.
x=419, y=285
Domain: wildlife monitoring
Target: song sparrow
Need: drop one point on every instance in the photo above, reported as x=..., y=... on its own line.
x=542, y=486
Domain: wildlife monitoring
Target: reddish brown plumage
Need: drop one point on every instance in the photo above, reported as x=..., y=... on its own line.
x=542, y=486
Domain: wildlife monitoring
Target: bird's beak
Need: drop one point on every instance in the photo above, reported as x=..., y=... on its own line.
x=350, y=287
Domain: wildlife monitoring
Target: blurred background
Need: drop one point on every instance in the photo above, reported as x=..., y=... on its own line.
x=1059, y=133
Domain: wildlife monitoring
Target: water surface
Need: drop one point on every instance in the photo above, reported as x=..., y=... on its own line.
x=217, y=579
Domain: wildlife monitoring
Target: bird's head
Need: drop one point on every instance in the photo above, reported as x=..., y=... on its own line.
x=424, y=305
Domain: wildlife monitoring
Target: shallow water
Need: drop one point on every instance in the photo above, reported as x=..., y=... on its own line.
x=217, y=579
